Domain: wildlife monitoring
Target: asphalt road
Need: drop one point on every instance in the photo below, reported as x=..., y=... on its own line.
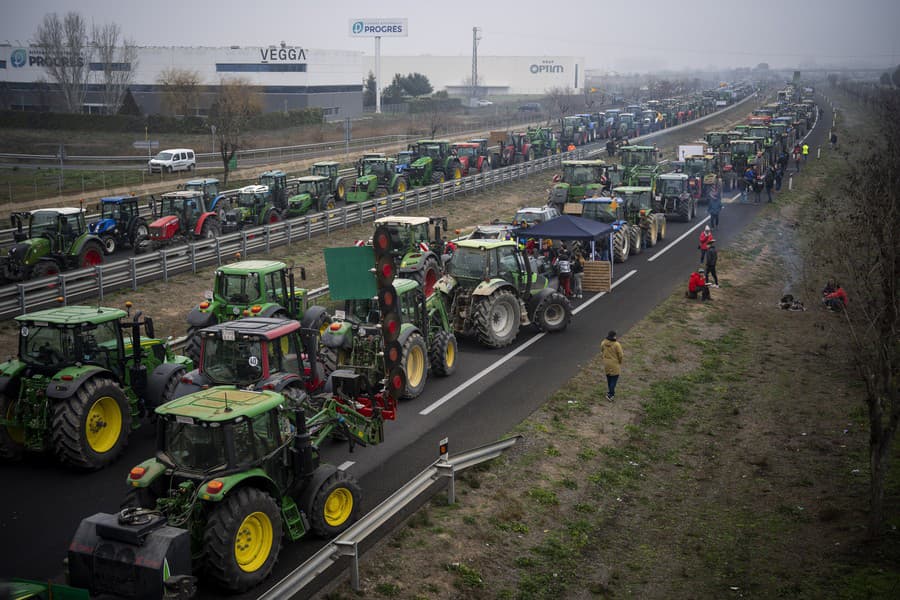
x=42, y=503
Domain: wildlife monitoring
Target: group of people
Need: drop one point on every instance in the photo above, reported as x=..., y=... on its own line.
x=698, y=282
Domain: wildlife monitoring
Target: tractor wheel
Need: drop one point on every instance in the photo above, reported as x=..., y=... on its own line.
x=138, y=231
x=242, y=539
x=334, y=506
x=168, y=392
x=109, y=243
x=635, y=234
x=438, y=177
x=192, y=345
x=428, y=275
x=553, y=313
x=330, y=204
x=12, y=439
x=661, y=227
x=684, y=211
x=341, y=191
x=272, y=216
x=45, y=268
x=91, y=254
x=496, y=319
x=456, y=171
x=621, y=246
x=400, y=186
x=530, y=154
x=443, y=354
x=652, y=234
x=211, y=229
x=380, y=192
x=415, y=364
x=90, y=428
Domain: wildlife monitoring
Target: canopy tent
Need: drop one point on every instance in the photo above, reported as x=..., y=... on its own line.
x=567, y=227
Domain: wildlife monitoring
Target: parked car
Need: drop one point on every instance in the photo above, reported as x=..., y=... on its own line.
x=530, y=107
x=484, y=103
x=177, y=159
x=533, y=215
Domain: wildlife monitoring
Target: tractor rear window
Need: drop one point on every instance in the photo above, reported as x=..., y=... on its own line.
x=46, y=346
x=467, y=263
x=232, y=363
x=194, y=448
x=240, y=289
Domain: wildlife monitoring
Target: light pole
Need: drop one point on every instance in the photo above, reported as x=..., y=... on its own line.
x=212, y=138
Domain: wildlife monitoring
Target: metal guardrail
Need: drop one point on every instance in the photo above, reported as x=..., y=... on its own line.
x=347, y=543
x=74, y=285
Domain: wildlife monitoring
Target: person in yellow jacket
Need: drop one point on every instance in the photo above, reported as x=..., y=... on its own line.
x=805, y=152
x=611, y=352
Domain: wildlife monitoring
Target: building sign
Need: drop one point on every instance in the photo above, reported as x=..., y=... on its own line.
x=281, y=54
x=34, y=56
x=379, y=27
x=546, y=66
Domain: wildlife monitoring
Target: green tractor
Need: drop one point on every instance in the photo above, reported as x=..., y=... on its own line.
x=703, y=174
x=235, y=473
x=82, y=378
x=580, y=178
x=743, y=154
x=418, y=254
x=56, y=240
x=254, y=205
x=330, y=169
x=257, y=288
x=355, y=337
x=639, y=165
x=543, y=142
x=492, y=288
x=377, y=177
x=311, y=194
x=445, y=165
x=646, y=227
x=674, y=197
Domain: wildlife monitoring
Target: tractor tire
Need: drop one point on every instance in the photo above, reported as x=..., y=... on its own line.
x=443, y=354
x=341, y=192
x=400, y=186
x=109, y=243
x=621, y=246
x=415, y=364
x=380, y=192
x=427, y=276
x=211, y=229
x=334, y=506
x=438, y=177
x=272, y=216
x=496, y=319
x=635, y=234
x=661, y=227
x=242, y=539
x=685, y=212
x=90, y=429
x=44, y=268
x=168, y=392
x=192, y=345
x=91, y=254
x=553, y=313
x=329, y=204
x=651, y=235
x=12, y=439
x=139, y=230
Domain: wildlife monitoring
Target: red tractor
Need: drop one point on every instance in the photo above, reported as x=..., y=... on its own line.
x=181, y=217
x=472, y=159
x=517, y=149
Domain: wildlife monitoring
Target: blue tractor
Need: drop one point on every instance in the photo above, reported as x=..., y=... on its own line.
x=613, y=212
x=120, y=223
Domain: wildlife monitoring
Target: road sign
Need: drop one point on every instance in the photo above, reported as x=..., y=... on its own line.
x=142, y=144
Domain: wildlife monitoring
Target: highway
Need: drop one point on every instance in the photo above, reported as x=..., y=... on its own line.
x=491, y=392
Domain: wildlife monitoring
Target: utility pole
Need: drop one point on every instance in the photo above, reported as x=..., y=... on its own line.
x=475, y=39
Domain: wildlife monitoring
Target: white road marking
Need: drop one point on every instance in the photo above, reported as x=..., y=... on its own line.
x=502, y=361
x=346, y=465
x=678, y=239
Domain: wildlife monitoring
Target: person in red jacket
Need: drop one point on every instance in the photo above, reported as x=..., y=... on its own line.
x=697, y=284
x=705, y=236
x=836, y=300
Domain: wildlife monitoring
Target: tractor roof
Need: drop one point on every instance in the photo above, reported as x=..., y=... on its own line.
x=584, y=163
x=65, y=210
x=434, y=142
x=312, y=178
x=204, y=181
x=464, y=145
x=326, y=163
x=117, y=199
x=273, y=173
x=636, y=148
x=484, y=244
x=246, y=266
x=259, y=327
x=672, y=176
x=74, y=315
x=254, y=189
x=223, y=403
x=478, y=140
x=632, y=189
x=401, y=219
x=183, y=194
x=405, y=285
x=599, y=200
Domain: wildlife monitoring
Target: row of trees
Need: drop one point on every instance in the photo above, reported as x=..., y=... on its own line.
x=402, y=86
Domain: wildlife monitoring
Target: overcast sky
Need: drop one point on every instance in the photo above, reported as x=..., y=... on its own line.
x=619, y=34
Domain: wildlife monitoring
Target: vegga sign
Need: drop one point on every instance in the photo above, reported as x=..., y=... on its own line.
x=379, y=27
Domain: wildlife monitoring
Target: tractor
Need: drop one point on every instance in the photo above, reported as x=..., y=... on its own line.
x=444, y=164
x=180, y=216
x=580, y=178
x=278, y=185
x=376, y=177
x=717, y=140
x=56, y=240
x=471, y=159
x=627, y=125
x=743, y=154
x=673, y=196
x=253, y=206
x=492, y=288
x=639, y=165
x=543, y=142
x=120, y=223
x=208, y=186
x=645, y=226
x=516, y=149
x=258, y=288
x=311, y=193
x=418, y=254
x=703, y=173
x=612, y=212
x=330, y=169
x=571, y=131
x=82, y=378
x=287, y=354
x=590, y=127
x=235, y=472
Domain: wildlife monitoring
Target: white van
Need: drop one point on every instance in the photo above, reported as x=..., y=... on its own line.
x=178, y=159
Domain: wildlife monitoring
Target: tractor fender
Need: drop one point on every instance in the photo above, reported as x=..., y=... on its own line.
x=283, y=380
x=59, y=389
x=405, y=332
x=10, y=371
x=197, y=318
x=253, y=477
x=311, y=485
x=487, y=288
x=446, y=284
x=339, y=338
x=536, y=299
x=81, y=241
x=156, y=384
x=269, y=310
x=198, y=228
x=152, y=470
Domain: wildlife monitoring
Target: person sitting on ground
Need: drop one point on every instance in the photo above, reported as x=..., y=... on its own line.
x=697, y=284
x=836, y=300
x=829, y=288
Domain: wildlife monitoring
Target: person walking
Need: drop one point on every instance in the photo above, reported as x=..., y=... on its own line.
x=712, y=257
x=833, y=140
x=714, y=207
x=564, y=267
x=769, y=182
x=797, y=150
x=570, y=147
x=779, y=174
x=578, y=272
x=610, y=148
x=705, y=236
x=805, y=152
x=612, y=355
x=747, y=183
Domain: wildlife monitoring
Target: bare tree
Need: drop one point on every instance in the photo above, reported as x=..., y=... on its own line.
x=64, y=44
x=117, y=62
x=436, y=117
x=236, y=102
x=561, y=101
x=180, y=90
x=868, y=259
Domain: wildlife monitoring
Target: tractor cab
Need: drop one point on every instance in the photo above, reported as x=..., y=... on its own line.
x=275, y=180
x=637, y=199
x=482, y=145
x=603, y=210
x=639, y=156
x=209, y=187
x=671, y=185
x=253, y=196
x=325, y=168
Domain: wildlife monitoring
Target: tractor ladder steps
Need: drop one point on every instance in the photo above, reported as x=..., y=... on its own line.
x=294, y=522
